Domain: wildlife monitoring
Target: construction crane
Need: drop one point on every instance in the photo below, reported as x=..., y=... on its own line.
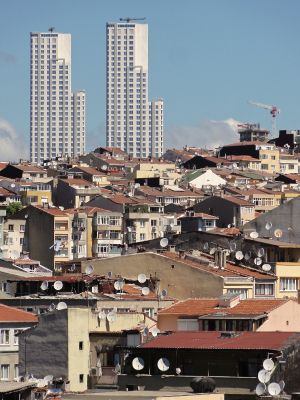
x=274, y=111
x=128, y=19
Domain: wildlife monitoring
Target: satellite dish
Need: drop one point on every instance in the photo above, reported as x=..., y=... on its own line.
x=146, y=331
x=109, y=274
x=266, y=267
x=73, y=267
x=264, y=376
x=257, y=261
x=136, y=185
x=41, y=383
x=89, y=270
x=254, y=235
x=164, y=293
x=104, y=167
x=268, y=225
x=268, y=364
x=260, y=389
x=232, y=246
x=281, y=384
x=138, y=363
x=102, y=315
x=205, y=246
x=142, y=278
x=61, y=306
x=261, y=252
x=163, y=364
x=178, y=371
x=118, y=285
x=278, y=233
x=145, y=291
x=111, y=316
x=247, y=255
x=164, y=242
x=155, y=332
x=239, y=255
x=44, y=285
x=212, y=251
x=58, y=285
x=274, y=389
x=52, y=307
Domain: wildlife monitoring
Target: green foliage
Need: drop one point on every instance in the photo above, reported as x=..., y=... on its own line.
x=13, y=208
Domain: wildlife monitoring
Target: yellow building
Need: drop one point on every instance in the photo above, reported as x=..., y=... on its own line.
x=35, y=194
x=269, y=156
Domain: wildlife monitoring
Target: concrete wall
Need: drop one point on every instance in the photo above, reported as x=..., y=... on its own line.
x=43, y=350
x=284, y=318
x=180, y=280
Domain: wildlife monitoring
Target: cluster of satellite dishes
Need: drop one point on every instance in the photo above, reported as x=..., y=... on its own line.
x=111, y=316
x=277, y=233
x=163, y=364
x=265, y=387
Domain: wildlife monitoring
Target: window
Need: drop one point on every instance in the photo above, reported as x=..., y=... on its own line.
x=22, y=228
x=4, y=336
x=149, y=312
x=187, y=325
x=16, y=370
x=153, y=222
x=242, y=292
x=10, y=228
x=142, y=236
x=16, y=337
x=288, y=284
x=115, y=221
x=81, y=378
x=80, y=345
x=264, y=289
x=142, y=223
x=5, y=371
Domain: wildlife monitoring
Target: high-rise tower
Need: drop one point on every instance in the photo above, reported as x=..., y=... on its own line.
x=132, y=122
x=57, y=116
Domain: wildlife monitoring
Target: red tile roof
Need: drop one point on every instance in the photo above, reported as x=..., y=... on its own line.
x=213, y=340
x=30, y=168
x=198, y=307
x=238, y=201
x=11, y=314
x=56, y=212
x=78, y=182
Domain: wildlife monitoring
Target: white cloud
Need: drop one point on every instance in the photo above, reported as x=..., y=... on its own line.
x=12, y=147
x=207, y=133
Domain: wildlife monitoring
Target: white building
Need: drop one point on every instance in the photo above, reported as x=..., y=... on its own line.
x=132, y=122
x=57, y=116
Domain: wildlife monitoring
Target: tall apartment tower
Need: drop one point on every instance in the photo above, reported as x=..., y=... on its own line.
x=57, y=116
x=132, y=122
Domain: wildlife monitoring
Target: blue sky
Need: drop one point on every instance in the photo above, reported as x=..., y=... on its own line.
x=207, y=58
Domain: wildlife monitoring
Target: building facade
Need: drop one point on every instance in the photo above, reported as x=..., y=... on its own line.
x=132, y=122
x=57, y=116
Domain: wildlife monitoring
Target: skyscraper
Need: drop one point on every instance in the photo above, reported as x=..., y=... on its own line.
x=57, y=116
x=132, y=122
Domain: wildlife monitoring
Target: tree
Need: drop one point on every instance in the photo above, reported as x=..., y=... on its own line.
x=13, y=208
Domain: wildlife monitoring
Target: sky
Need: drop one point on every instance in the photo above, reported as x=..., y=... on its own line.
x=207, y=59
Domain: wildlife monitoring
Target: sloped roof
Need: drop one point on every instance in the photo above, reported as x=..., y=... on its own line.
x=214, y=340
x=11, y=314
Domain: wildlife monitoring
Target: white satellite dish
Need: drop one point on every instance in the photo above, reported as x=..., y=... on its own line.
x=155, y=332
x=268, y=225
x=274, y=389
x=12, y=185
x=278, y=233
x=142, y=278
x=61, y=306
x=212, y=251
x=44, y=285
x=145, y=291
x=205, y=246
x=261, y=252
x=164, y=242
x=58, y=285
x=260, y=389
x=257, y=261
x=118, y=285
x=102, y=315
x=163, y=364
x=239, y=255
x=266, y=267
x=264, y=376
x=52, y=307
x=138, y=363
x=137, y=185
x=111, y=316
x=178, y=371
x=268, y=364
x=164, y=293
x=247, y=255
x=109, y=274
x=73, y=267
x=254, y=235
x=146, y=331
x=232, y=246
x=48, y=378
x=104, y=167
x=281, y=384
x=89, y=270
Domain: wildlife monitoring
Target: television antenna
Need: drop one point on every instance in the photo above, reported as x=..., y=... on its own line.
x=138, y=363
x=163, y=364
x=61, y=306
x=58, y=285
x=164, y=242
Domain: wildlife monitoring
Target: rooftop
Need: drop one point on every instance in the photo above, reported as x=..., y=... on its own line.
x=11, y=314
